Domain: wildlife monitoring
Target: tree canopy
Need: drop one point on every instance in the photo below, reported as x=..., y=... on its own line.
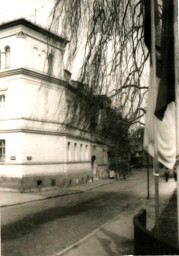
x=107, y=47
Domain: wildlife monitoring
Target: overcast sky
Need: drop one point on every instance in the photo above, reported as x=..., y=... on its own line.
x=35, y=10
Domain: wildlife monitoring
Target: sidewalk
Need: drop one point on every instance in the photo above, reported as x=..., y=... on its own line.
x=14, y=198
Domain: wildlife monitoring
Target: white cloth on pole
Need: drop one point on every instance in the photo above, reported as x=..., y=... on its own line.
x=166, y=132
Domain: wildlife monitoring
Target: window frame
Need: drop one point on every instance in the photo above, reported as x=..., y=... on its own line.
x=7, y=51
x=81, y=152
x=75, y=152
x=69, y=151
x=86, y=152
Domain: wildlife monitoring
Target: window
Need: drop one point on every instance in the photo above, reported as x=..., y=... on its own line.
x=7, y=57
x=2, y=150
x=2, y=104
x=69, y=151
x=86, y=152
x=81, y=151
x=75, y=150
x=50, y=64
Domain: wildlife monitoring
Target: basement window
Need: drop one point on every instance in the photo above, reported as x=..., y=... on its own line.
x=53, y=182
x=39, y=182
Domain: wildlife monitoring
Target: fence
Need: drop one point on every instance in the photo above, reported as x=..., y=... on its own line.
x=147, y=243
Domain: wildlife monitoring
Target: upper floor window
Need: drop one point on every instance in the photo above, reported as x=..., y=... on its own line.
x=7, y=56
x=2, y=104
x=2, y=150
x=50, y=63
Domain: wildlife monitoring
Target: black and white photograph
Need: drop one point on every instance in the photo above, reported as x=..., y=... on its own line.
x=89, y=127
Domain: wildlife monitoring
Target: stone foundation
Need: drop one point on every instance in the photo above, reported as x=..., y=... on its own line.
x=42, y=183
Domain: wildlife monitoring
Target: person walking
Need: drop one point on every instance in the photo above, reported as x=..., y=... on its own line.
x=166, y=174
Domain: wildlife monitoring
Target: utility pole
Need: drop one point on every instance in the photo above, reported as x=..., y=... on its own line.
x=154, y=84
x=176, y=58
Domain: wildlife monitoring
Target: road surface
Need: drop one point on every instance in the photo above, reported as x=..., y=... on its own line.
x=45, y=227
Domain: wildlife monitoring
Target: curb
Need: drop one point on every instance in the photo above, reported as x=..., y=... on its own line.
x=76, y=244
x=55, y=196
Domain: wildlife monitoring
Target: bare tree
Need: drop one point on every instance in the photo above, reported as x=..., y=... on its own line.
x=114, y=56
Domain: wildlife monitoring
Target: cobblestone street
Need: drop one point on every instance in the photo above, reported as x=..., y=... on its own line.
x=48, y=226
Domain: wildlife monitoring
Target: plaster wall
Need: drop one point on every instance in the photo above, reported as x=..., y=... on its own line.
x=33, y=99
x=36, y=54
x=30, y=49
x=43, y=149
x=13, y=157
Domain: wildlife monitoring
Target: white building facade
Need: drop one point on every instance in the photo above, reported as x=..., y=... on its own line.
x=36, y=149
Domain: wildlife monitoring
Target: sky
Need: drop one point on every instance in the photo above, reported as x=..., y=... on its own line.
x=36, y=11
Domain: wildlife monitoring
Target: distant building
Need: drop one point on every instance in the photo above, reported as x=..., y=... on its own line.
x=139, y=157
x=41, y=146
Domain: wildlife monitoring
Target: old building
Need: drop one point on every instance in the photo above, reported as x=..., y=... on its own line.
x=139, y=157
x=41, y=145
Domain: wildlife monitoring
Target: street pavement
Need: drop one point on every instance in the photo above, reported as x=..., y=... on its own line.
x=8, y=198
x=115, y=237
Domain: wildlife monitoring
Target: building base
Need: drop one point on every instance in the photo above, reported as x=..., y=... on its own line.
x=43, y=182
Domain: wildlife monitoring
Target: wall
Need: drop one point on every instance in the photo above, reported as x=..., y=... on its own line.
x=33, y=123
x=35, y=100
x=13, y=157
x=30, y=49
x=101, y=153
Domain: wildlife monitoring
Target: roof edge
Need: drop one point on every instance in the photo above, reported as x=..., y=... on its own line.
x=35, y=27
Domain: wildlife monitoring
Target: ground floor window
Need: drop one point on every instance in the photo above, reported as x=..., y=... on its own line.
x=69, y=151
x=2, y=150
x=86, y=152
x=2, y=104
x=75, y=150
x=81, y=151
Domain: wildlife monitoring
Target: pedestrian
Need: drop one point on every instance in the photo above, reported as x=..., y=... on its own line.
x=166, y=175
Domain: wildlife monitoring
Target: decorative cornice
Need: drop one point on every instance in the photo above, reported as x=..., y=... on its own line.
x=40, y=76
x=21, y=34
x=67, y=135
x=26, y=130
x=34, y=27
x=34, y=74
x=45, y=163
x=79, y=162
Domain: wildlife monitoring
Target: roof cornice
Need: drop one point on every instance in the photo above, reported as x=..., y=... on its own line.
x=34, y=27
x=34, y=74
